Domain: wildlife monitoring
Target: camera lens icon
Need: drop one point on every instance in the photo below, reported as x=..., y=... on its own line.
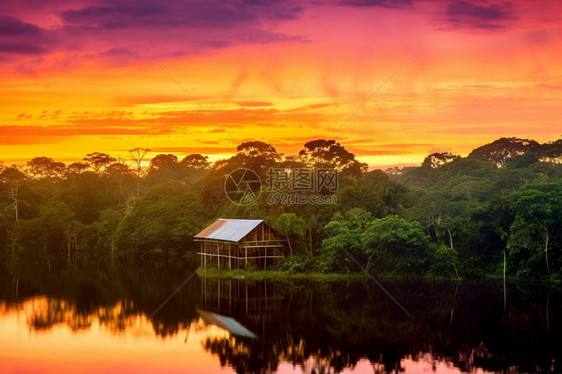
x=242, y=186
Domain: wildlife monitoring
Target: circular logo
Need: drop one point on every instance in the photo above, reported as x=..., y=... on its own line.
x=242, y=186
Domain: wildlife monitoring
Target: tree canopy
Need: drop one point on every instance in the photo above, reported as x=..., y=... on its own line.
x=451, y=216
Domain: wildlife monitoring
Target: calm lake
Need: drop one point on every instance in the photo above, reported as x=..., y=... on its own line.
x=109, y=324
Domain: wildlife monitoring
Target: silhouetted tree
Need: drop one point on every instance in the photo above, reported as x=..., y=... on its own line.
x=45, y=167
x=137, y=155
x=98, y=161
x=13, y=179
x=163, y=161
x=77, y=167
x=331, y=154
x=196, y=161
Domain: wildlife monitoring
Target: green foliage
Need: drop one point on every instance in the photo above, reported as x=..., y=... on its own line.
x=291, y=226
x=386, y=245
x=397, y=246
x=535, y=235
x=444, y=262
x=296, y=264
x=345, y=231
x=322, y=153
x=163, y=219
x=374, y=192
x=450, y=216
x=504, y=149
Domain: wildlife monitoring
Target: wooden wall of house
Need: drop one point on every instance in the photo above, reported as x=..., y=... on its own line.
x=261, y=241
x=262, y=232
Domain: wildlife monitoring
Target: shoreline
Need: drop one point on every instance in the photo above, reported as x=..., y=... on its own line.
x=256, y=275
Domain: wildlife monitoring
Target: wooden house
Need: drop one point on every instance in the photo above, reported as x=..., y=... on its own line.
x=240, y=243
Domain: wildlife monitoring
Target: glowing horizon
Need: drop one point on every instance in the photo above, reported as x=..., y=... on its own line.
x=78, y=76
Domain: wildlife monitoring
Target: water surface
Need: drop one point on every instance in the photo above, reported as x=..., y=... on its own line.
x=105, y=324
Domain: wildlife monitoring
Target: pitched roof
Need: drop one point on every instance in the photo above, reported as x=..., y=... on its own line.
x=232, y=230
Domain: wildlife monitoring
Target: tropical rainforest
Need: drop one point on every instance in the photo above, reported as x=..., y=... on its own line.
x=497, y=211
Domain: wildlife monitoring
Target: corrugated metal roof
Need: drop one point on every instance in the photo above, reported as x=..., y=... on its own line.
x=232, y=230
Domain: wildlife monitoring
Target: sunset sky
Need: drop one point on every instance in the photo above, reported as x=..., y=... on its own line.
x=82, y=76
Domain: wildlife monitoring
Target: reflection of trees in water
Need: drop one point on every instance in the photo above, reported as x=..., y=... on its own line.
x=325, y=327
x=44, y=313
x=243, y=355
x=116, y=300
x=319, y=327
x=49, y=312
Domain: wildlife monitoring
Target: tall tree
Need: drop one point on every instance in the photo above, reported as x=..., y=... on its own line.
x=99, y=161
x=137, y=155
x=13, y=179
x=437, y=159
x=45, y=167
x=323, y=153
x=503, y=149
x=257, y=155
x=291, y=226
x=163, y=161
x=552, y=152
x=537, y=215
x=196, y=161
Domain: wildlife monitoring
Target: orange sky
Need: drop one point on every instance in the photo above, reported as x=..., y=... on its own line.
x=78, y=76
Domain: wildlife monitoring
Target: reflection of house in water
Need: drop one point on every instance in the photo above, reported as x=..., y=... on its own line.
x=227, y=323
x=239, y=243
x=288, y=329
x=253, y=304
x=259, y=307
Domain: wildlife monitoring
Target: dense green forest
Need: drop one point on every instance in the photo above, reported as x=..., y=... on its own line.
x=499, y=209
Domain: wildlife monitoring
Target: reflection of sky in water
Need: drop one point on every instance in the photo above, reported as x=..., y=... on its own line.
x=43, y=335
x=99, y=348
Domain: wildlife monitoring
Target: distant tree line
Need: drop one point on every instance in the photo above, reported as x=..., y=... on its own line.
x=450, y=217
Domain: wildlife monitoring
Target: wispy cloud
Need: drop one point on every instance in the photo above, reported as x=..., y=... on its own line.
x=21, y=38
x=187, y=150
x=12, y=135
x=479, y=15
x=254, y=103
x=377, y=3
x=119, y=31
